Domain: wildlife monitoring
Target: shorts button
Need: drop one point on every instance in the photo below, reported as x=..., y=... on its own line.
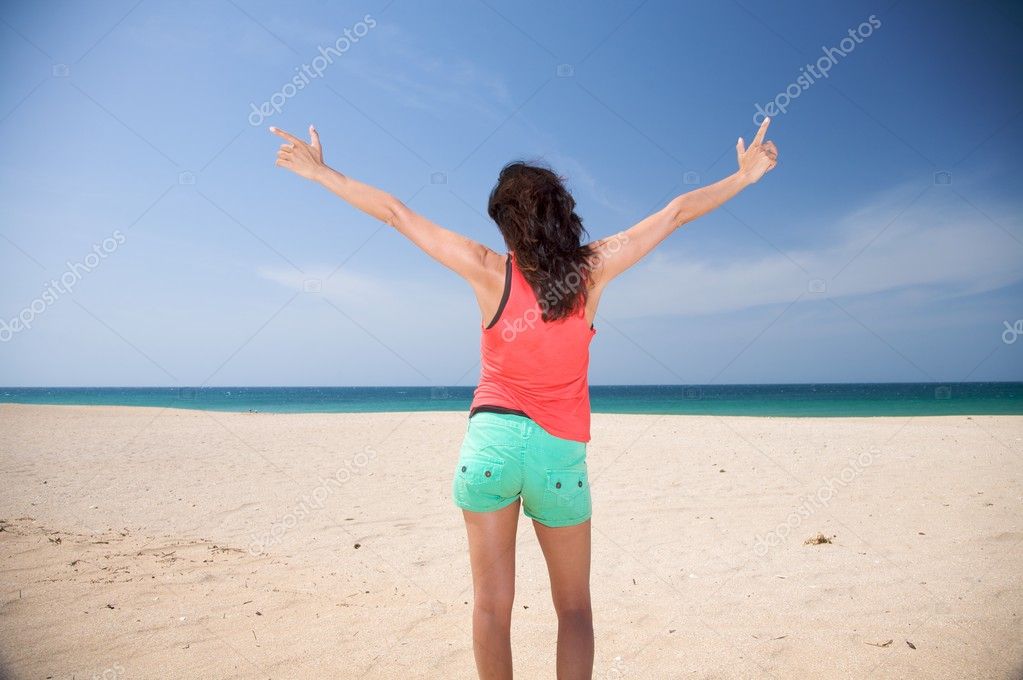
x=558, y=485
x=487, y=473
x=463, y=468
x=580, y=482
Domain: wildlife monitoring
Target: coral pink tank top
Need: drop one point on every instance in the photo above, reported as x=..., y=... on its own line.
x=535, y=368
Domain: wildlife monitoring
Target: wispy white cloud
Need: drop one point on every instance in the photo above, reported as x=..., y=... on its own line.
x=425, y=80
x=940, y=250
x=199, y=27
x=941, y=244
x=580, y=178
x=419, y=78
x=382, y=302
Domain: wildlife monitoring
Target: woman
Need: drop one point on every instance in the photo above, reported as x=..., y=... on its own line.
x=530, y=416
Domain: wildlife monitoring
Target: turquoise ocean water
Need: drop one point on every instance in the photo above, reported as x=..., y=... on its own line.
x=847, y=399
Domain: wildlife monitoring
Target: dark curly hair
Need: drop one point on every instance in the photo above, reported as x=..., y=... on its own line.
x=536, y=216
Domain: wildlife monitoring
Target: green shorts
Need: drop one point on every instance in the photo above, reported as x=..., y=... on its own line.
x=505, y=456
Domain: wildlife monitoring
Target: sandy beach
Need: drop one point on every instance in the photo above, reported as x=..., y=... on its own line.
x=161, y=543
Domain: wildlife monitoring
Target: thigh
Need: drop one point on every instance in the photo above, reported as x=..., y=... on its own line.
x=492, y=552
x=567, y=552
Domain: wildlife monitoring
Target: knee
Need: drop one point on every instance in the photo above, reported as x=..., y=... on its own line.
x=578, y=615
x=496, y=604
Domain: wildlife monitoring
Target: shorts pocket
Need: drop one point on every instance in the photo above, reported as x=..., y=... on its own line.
x=481, y=473
x=478, y=484
x=566, y=496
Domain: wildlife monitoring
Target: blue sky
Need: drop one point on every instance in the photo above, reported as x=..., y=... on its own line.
x=130, y=123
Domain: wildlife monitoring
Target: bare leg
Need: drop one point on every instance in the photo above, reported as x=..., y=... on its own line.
x=492, y=557
x=567, y=551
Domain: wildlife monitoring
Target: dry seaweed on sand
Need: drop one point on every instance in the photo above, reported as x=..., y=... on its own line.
x=817, y=540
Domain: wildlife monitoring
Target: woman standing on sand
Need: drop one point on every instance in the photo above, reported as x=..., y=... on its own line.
x=529, y=421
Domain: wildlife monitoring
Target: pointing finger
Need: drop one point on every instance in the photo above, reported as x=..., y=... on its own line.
x=314, y=137
x=740, y=149
x=287, y=135
x=762, y=131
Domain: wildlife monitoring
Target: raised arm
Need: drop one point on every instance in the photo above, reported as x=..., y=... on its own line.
x=467, y=258
x=617, y=253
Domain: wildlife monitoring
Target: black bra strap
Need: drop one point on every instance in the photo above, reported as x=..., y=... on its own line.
x=505, y=294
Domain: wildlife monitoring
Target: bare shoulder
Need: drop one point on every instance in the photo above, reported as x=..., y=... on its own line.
x=489, y=285
x=493, y=260
x=493, y=266
x=602, y=254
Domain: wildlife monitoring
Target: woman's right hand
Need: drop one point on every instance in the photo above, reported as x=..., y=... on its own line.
x=759, y=158
x=304, y=159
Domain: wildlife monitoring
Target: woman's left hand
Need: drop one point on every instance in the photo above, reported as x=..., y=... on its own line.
x=304, y=159
x=759, y=158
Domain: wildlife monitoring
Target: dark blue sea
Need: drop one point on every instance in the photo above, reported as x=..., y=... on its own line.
x=847, y=399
